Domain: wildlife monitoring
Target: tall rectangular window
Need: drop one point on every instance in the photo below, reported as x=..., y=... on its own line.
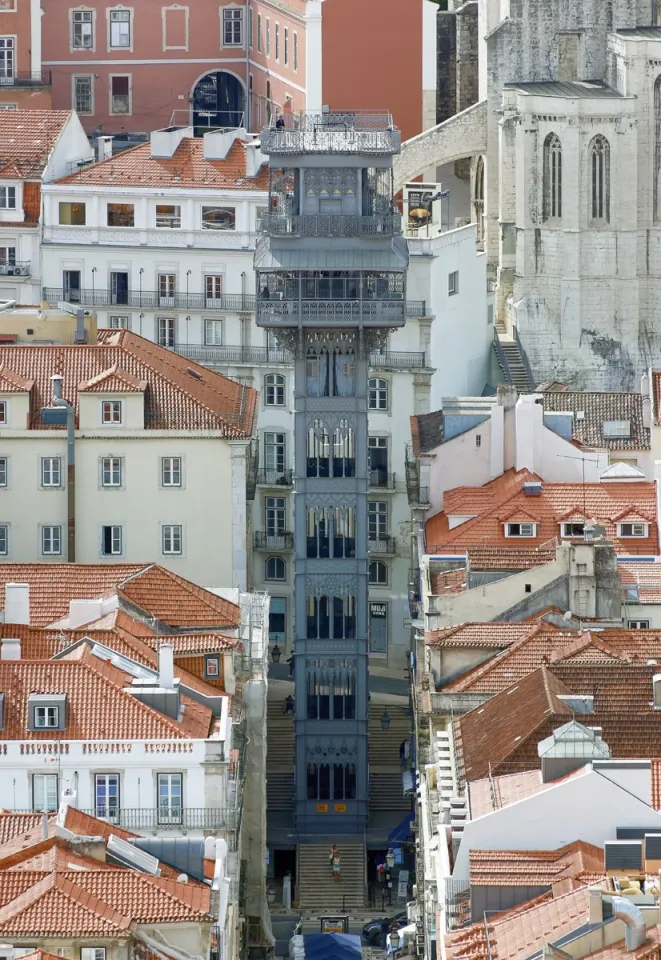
x=166, y=332
x=120, y=94
x=120, y=29
x=3, y=471
x=213, y=290
x=46, y=716
x=172, y=544
x=111, y=411
x=171, y=471
x=3, y=413
x=7, y=256
x=82, y=29
x=233, y=27
x=111, y=471
x=167, y=285
x=51, y=471
x=4, y=540
x=106, y=790
x=259, y=33
x=44, y=792
x=378, y=627
x=111, y=540
x=6, y=58
x=295, y=52
x=250, y=27
x=274, y=451
x=268, y=37
x=213, y=333
x=377, y=519
x=275, y=514
x=119, y=286
x=51, y=541
x=286, y=50
x=82, y=101
x=277, y=41
x=170, y=795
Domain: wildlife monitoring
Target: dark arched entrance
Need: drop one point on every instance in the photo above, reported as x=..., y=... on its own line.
x=218, y=101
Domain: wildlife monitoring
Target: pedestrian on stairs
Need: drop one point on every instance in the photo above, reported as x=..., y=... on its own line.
x=334, y=860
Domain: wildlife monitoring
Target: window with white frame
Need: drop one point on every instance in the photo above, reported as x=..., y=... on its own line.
x=218, y=218
x=106, y=795
x=632, y=530
x=259, y=33
x=250, y=27
x=638, y=624
x=520, y=529
x=46, y=716
x=172, y=540
x=213, y=289
x=45, y=793
x=295, y=52
x=4, y=539
x=573, y=529
x=377, y=393
x=453, y=283
x=167, y=287
x=111, y=540
x=274, y=390
x=111, y=471
x=378, y=627
x=11, y=106
x=213, y=333
x=275, y=569
x=3, y=413
x=233, y=27
x=7, y=256
x=268, y=37
x=7, y=198
x=51, y=541
x=171, y=471
x=277, y=42
x=7, y=50
x=166, y=336
x=3, y=471
x=378, y=573
x=120, y=94
x=170, y=795
x=51, y=471
x=275, y=516
x=82, y=99
x=168, y=216
x=286, y=49
x=118, y=323
x=82, y=29
x=274, y=451
x=377, y=519
x=111, y=411
x=119, y=29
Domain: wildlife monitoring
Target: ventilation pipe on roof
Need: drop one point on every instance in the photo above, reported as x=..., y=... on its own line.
x=17, y=603
x=80, y=335
x=636, y=931
x=10, y=649
x=166, y=666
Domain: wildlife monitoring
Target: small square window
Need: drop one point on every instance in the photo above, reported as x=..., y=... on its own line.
x=478, y=439
x=171, y=471
x=212, y=667
x=453, y=283
x=51, y=472
x=7, y=198
x=111, y=541
x=3, y=471
x=520, y=529
x=274, y=390
x=72, y=214
x=118, y=323
x=172, y=545
x=111, y=471
x=83, y=93
x=4, y=540
x=120, y=214
x=111, y=411
x=46, y=716
x=633, y=529
x=51, y=541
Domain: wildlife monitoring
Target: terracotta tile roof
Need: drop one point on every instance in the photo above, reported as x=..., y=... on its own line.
x=494, y=635
x=427, y=432
x=521, y=933
x=534, y=868
x=448, y=581
x=114, y=379
x=98, y=705
x=598, y=408
x=645, y=576
x=191, y=644
x=179, y=395
x=18, y=825
x=511, y=557
x=187, y=168
x=492, y=504
x=496, y=792
x=650, y=950
x=156, y=591
x=493, y=732
x=27, y=139
x=39, y=955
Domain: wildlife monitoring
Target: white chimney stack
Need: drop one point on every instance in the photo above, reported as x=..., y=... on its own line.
x=10, y=649
x=84, y=611
x=17, y=603
x=166, y=666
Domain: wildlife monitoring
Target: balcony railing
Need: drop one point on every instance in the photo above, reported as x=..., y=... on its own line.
x=371, y=133
x=275, y=478
x=152, y=300
x=20, y=268
x=255, y=356
x=20, y=78
x=382, y=545
x=382, y=480
x=397, y=360
x=277, y=225
x=176, y=818
x=273, y=541
x=288, y=312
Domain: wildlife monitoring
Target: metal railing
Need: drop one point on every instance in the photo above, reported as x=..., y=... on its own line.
x=381, y=545
x=273, y=541
x=24, y=78
x=152, y=300
x=501, y=358
x=524, y=359
x=17, y=268
x=275, y=478
x=320, y=225
x=295, y=311
x=331, y=133
x=144, y=818
x=382, y=480
x=398, y=359
x=205, y=353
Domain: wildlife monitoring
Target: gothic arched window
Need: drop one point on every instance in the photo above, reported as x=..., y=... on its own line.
x=552, y=179
x=599, y=154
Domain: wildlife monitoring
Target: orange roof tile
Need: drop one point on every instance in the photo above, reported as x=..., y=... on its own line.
x=187, y=168
x=645, y=576
x=490, y=635
x=492, y=504
x=534, y=868
x=27, y=139
x=114, y=379
x=650, y=950
x=179, y=394
x=156, y=591
x=18, y=825
x=493, y=793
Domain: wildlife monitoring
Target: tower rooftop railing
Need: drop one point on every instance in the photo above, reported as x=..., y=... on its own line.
x=347, y=132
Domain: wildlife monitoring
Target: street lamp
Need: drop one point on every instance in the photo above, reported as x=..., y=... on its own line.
x=275, y=654
x=390, y=858
x=385, y=720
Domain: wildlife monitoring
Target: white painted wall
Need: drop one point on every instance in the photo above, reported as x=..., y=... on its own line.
x=429, y=37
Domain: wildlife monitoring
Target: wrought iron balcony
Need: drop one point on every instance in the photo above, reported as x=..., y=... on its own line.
x=382, y=480
x=273, y=541
x=383, y=545
x=152, y=300
x=277, y=225
x=292, y=312
x=21, y=78
x=397, y=360
x=335, y=133
x=165, y=818
x=417, y=496
x=19, y=268
x=275, y=478
x=254, y=356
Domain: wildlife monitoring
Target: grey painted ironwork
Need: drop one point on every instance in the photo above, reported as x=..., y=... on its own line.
x=331, y=278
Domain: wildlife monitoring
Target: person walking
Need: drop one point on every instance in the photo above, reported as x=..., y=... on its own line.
x=335, y=863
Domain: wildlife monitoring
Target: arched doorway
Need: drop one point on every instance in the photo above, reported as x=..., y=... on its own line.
x=218, y=101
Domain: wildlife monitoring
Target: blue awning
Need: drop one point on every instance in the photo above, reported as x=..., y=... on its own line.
x=403, y=830
x=332, y=946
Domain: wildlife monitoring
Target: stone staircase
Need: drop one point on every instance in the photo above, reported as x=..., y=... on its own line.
x=316, y=889
x=511, y=361
x=279, y=759
x=385, y=769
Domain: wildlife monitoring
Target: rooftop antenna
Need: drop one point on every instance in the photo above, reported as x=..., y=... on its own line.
x=583, y=460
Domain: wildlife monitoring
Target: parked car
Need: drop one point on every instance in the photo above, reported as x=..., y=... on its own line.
x=372, y=929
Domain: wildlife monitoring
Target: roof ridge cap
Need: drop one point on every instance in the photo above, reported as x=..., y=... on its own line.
x=88, y=901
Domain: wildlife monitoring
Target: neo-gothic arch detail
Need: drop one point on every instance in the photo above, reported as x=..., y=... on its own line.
x=552, y=178
x=330, y=585
x=599, y=160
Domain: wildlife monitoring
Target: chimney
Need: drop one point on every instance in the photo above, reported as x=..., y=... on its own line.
x=647, y=412
x=81, y=333
x=165, y=143
x=56, y=380
x=254, y=158
x=84, y=611
x=166, y=666
x=595, y=907
x=17, y=603
x=10, y=649
x=218, y=143
x=103, y=148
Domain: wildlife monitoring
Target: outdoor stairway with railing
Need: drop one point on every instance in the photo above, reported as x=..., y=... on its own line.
x=279, y=759
x=513, y=361
x=318, y=892
x=385, y=769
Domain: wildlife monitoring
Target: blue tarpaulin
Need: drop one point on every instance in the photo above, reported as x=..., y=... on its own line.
x=403, y=830
x=332, y=946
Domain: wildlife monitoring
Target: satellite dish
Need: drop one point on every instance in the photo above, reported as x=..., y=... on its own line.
x=567, y=616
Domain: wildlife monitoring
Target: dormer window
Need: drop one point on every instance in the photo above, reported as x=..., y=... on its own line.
x=111, y=411
x=632, y=529
x=520, y=529
x=47, y=711
x=573, y=530
x=46, y=717
x=7, y=198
